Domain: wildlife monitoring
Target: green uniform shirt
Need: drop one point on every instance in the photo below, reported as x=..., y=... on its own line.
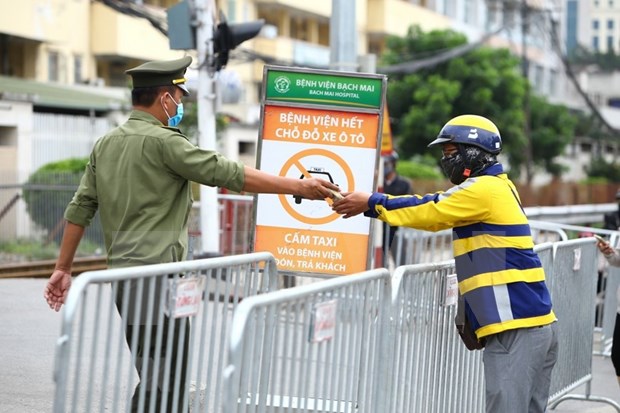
x=138, y=178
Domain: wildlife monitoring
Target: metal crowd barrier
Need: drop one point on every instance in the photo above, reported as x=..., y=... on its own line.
x=363, y=343
x=412, y=246
x=608, y=282
x=431, y=370
x=393, y=354
x=574, y=264
x=191, y=301
x=573, y=290
x=312, y=348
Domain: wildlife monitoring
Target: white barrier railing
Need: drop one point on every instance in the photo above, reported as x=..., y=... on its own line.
x=416, y=360
x=313, y=348
x=357, y=343
x=173, y=319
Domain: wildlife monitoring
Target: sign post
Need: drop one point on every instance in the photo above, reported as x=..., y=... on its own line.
x=324, y=124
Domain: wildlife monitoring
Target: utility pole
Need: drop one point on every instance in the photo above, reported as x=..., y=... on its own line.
x=209, y=208
x=192, y=26
x=343, y=36
x=525, y=66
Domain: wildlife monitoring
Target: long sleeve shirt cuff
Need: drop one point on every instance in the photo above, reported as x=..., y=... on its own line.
x=374, y=199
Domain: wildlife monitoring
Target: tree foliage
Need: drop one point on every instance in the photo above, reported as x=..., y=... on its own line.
x=552, y=130
x=48, y=192
x=485, y=81
x=419, y=167
x=606, y=171
x=189, y=126
x=607, y=62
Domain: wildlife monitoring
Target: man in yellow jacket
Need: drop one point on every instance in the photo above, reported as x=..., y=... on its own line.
x=499, y=274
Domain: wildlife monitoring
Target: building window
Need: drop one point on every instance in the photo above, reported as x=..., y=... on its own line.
x=586, y=147
x=610, y=43
x=571, y=26
x=538, y=77
x=52, y=66
x=613, y=102
x=232, y=11
x=469, y=12
x=595, y=24
x=298, y=29
x=77, y=69
x=553, y=82
x=610, y=24
x=595, y=43
x=117, y=76
x=611, y=4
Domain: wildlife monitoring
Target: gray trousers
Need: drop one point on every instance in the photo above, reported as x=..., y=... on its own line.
x=517, y=369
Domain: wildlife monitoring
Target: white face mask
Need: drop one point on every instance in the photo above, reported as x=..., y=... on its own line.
x=176, y=119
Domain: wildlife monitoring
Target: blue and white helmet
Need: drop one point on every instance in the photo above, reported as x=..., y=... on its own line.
x=471, y=130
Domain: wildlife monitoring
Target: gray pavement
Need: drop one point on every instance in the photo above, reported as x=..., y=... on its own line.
x=604, y=384
x=29, y=330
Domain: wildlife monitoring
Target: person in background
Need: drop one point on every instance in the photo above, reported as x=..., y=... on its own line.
x=393, y=184
x=499, y=275
x=612, y=219
x=138, y=179
x=613, y=258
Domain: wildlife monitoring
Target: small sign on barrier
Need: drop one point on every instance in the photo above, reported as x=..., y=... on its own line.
x=576, y=259
x=452, y=290
x=185, y=296
x=323, y=321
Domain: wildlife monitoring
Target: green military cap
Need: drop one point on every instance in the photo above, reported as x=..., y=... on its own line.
x=161, y=73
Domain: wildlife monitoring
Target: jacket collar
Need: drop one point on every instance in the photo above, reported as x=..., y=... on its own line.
x=493, y=170
x=144, y=116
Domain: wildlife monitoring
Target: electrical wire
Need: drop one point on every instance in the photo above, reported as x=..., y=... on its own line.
x=571, y=75
x=160, y=23
x=415, y=65
x=131, y=9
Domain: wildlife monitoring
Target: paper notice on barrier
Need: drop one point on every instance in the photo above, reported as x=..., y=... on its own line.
x=323, y=322
x=452, y=290
x=185, y=296
x=577, y=259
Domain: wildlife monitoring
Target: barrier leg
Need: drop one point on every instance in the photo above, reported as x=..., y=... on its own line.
x=586, y=397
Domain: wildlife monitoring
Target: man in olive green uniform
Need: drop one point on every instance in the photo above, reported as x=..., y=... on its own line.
x=138, y=178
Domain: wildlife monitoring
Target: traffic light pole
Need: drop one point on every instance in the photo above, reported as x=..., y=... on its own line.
x=209, y=208
x=343, y=36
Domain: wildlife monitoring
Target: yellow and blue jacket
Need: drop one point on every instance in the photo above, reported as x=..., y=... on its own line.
x=500, y=275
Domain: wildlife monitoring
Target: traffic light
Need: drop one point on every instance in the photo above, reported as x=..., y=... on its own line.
x=228, y=36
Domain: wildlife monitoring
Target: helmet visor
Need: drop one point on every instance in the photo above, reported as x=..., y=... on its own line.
x=441, y=139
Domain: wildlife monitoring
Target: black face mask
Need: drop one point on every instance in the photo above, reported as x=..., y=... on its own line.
x=467, y=161
x=454, y=167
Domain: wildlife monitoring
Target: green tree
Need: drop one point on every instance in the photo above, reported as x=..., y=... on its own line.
x=604, y=171
x=48, y=192
x=484, y=81
x=608, y=61
x=189, y=126
x=552, y=129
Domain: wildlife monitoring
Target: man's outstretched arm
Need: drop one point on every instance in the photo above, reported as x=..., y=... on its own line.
x=257, y=181
x=58, y=285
